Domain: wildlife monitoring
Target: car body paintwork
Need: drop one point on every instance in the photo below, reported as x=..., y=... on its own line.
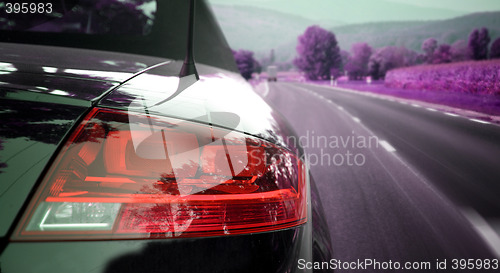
x=219, y=98
x=265, y=252
x=226, y=101
x=30, y=133
x=45, y=96
x=66, y=73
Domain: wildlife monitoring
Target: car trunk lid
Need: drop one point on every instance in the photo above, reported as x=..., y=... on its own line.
x=44, y=92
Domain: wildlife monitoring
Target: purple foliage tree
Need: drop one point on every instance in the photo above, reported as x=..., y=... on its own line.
x=344, y=56
x=410, y=57
x=246, y=63
x=357, y=65
x=386, y=58
x=428, y=47
x=319, y=54
x=478, y=44
x=442, y=54
x=459, y=51
x=118, y=17
x=495, y=49
x=86, y=16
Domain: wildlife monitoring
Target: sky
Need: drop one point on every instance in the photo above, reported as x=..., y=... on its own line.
x=459, y=5
x=362, y=11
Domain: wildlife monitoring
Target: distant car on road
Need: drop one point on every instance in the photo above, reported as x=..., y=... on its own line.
x=272, y=73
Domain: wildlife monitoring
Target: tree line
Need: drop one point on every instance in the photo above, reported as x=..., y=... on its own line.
x=319, y=56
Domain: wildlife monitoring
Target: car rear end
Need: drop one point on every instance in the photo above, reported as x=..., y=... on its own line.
x=194, y=184
x=98, y=173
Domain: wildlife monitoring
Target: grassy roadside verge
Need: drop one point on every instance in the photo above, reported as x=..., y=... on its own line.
x=487, y=104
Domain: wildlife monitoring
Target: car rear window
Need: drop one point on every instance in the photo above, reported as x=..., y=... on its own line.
x=112, y=17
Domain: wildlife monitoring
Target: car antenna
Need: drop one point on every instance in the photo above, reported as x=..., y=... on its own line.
x=188, y=74
x=189, y=66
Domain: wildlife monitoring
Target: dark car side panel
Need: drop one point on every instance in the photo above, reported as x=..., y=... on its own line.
x=30, y=133
x=263, y=252
x=321, y=241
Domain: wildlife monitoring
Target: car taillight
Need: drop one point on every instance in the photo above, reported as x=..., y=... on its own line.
x=123, y=175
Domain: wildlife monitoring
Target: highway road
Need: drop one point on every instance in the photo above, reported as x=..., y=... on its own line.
x=399, y=182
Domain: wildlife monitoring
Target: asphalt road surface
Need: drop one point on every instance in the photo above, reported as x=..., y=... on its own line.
x=398, y=182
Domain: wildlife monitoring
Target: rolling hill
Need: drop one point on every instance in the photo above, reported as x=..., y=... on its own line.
x=261, y=30
x=411, y=34
x=352, y=11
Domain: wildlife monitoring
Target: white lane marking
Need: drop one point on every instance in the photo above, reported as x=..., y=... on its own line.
x=266, y=89
x=478, y=120
x=340, y=108
x=451, y=114
x=415, y=105
x=370, y=132
x=356, y=119
x=431, y=109
x=484, y=229
x=414, y=172
x=387, y=146
x=403, y=102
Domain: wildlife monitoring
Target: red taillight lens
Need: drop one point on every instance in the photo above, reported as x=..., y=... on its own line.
x=125, y=175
